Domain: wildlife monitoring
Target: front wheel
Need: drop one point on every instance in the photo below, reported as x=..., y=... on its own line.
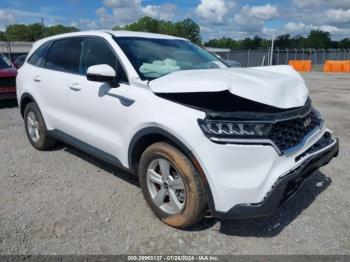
x=171, y=185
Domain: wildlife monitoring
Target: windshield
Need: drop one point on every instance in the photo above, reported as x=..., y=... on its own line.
x=153, y=58
x=4, y=62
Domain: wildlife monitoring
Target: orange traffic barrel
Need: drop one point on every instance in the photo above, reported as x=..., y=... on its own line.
x=338, y=66
x=301, y=65
x=346, y=68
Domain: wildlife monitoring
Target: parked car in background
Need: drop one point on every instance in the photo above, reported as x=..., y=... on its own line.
x=232, y=63
x=237, y=141
x=229, y=63
x=19, y=61
x=7, y=78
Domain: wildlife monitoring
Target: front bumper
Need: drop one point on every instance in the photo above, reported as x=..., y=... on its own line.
x=287, y=185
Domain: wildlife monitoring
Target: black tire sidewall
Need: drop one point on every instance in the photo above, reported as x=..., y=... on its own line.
x=193, y=209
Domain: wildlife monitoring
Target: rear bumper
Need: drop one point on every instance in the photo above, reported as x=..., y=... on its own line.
x=287, y=185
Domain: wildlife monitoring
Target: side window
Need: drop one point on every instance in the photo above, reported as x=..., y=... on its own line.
x=38, y=57
x=64, y=55
x=96, y=51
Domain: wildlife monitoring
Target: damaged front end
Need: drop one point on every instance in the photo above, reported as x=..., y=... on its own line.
x=266, y=105
x=233, y=119
x=264, y=136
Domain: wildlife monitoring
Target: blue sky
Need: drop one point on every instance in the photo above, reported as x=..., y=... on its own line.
x=217, y=18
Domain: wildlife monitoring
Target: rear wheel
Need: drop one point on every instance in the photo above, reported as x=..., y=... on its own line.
x=36, y=129
x=171, y=185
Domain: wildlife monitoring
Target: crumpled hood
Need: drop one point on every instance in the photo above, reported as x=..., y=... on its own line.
x=278, y=86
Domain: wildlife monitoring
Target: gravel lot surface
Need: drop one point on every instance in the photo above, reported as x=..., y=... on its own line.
x=66, y=202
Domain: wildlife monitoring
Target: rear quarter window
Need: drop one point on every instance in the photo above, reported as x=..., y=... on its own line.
x=39, y=55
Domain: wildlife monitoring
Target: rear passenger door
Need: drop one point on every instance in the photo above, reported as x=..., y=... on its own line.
x=97, y=109
x=62, y=62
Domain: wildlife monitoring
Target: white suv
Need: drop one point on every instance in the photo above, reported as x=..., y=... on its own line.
x=201, y=136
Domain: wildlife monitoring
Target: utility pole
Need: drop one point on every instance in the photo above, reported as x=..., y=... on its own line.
x=43, y=26
x=272, y=46
x=8, y=44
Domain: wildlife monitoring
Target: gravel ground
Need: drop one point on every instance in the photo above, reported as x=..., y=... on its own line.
x=66, y=202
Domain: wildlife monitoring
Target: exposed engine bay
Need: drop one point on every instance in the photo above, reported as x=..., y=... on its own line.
x=225, y=105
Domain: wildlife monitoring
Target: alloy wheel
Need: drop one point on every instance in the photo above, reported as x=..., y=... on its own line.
x=33, y=127
x=166, y=186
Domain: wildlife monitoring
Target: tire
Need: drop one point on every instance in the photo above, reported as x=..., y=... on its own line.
x=191, y=205
x=34, y=123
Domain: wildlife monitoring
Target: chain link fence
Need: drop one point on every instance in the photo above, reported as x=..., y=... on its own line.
x=246, y=58
x=249, y=58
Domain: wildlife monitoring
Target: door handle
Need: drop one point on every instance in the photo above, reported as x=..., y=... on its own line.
x=37, y=79
x=75, y=87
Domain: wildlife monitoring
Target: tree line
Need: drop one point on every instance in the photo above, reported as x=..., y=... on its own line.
x=186, y=28
x=33, y=32
x=191, y=30
x=317, y=39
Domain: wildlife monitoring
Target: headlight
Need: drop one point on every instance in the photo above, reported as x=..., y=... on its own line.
x=232, y=129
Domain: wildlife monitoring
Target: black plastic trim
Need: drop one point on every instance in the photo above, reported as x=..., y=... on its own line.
x=276, y=197
x=154, y=131
x=24, y=96
x=61, y=136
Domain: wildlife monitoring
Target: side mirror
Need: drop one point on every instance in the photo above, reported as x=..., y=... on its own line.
x=101, y=73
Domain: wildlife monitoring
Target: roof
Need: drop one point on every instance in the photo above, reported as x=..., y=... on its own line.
x=140, y=34
x=115, y=33
x=103, y=33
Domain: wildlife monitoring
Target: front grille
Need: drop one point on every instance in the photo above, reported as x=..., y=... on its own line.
x=7, y=81
x=290, y=133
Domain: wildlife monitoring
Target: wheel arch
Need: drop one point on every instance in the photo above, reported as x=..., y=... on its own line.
x=26, y=98
x=150, y=135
